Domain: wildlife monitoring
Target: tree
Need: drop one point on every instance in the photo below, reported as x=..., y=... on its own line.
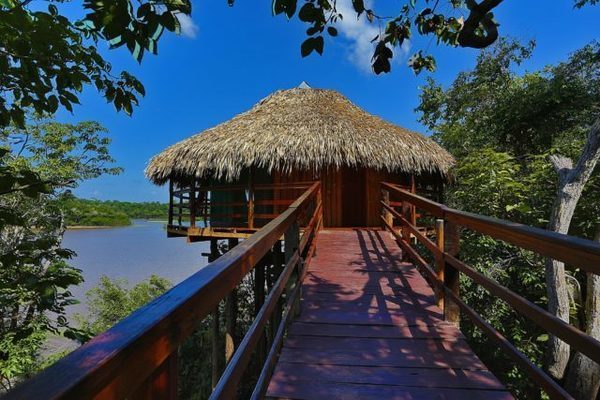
x=571, y=183
x=111, y=301
x=34, y=273
x=508, y=132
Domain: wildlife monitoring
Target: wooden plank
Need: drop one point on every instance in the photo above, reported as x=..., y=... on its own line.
x=441, y=330
x=382, y=358
x=412, y=377
x=343, y=391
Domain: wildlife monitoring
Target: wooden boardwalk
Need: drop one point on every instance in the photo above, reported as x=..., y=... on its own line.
x=369, y=328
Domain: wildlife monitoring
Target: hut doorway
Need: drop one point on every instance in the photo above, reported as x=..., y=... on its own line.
x=353, y=199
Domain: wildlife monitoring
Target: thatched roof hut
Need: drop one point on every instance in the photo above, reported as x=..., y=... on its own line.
x=302, y=131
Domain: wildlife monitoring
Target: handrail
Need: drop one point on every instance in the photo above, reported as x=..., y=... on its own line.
x=580, y=252
x=115, y=363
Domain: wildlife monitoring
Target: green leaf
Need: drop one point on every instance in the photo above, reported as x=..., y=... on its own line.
x=312, y=44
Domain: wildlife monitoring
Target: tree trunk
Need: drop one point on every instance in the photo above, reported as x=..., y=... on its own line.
x=583, y=377
x=571, y=181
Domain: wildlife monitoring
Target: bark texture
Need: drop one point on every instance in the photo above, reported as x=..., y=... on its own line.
x=583, y=377
x=571, y=181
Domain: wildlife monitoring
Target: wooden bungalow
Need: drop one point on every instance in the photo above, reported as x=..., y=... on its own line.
x=233, y=178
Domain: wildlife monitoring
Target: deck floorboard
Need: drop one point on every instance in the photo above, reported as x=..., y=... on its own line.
x=369, y=328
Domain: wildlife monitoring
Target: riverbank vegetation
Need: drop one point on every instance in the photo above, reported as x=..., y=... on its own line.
x=90, y=213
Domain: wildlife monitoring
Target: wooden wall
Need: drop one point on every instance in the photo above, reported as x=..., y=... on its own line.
x=350, y=196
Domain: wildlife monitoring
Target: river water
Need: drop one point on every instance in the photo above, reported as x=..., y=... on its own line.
x=133, y=253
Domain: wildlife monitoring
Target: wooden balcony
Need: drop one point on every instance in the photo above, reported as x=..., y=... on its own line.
x=230, y=211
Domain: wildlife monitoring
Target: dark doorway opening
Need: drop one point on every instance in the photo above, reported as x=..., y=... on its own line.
x=354, y=196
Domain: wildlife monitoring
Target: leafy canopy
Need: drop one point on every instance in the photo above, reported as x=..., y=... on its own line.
x=502, y=126
x=46, y=58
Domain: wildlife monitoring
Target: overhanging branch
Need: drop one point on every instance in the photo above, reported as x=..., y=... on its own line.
x=479, y=19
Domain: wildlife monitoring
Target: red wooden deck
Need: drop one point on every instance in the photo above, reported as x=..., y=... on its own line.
x=369, y=328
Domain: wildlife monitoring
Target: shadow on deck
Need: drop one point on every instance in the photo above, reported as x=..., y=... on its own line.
x=369, y=328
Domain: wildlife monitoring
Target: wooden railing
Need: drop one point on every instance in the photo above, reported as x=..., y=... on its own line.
x=137, y=358
x=194, y=203
x=444, y=274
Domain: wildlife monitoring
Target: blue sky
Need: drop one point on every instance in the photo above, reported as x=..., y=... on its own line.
x=231, y=57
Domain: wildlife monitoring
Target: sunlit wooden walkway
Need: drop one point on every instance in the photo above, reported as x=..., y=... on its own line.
x=369, y=328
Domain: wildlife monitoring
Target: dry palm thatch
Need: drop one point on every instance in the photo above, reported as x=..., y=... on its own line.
x=300, y=128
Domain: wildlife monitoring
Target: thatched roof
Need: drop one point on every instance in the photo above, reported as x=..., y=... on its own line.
x=300, y=128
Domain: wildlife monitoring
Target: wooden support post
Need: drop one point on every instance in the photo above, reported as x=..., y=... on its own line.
x=440, y=264
x=405, y=232
x=385, y=194
x=170, y=221
x=276, y=269
x=231, y=311
x=259, y=299
x=291, y=243
x=451, y=275
x=251, y=199
x=180, y=208
x=320, y=217
x=216, y=330
x=216, y=353
x=192, y=203
x=413, y=209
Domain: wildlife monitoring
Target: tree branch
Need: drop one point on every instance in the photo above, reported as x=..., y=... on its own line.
x=479, y=17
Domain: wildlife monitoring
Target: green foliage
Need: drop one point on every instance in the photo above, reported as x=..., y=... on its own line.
x=38, y=163
x=20, y=355
x=46, y=58
x=111, y=301
x=449, y=27
x=61, y=155
x=502, y=127
x=85, y=212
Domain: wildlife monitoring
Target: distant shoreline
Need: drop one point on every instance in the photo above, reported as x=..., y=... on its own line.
x=82, y=227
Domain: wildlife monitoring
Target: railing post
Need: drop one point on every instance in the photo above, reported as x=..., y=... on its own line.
x=216, y=331
x=405, y=232
x=320, y=216
x=413, y=209
x=440, y=264
x=192, y=203
x=180, y=208
x=451, y=275
x=231, y=310
x=275, y=272
x=386, y=214
x=250, y=201
x=170, y=220
x=291, y=244
x=259, y=299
